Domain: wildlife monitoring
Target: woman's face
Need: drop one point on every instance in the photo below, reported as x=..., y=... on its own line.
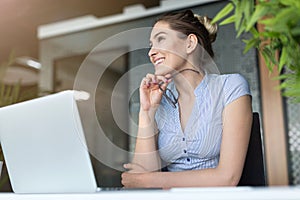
x=167, y=51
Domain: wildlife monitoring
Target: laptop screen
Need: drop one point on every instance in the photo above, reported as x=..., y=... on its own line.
x=44, y=146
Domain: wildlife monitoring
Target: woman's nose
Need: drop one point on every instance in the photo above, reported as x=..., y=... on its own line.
x=152, y=52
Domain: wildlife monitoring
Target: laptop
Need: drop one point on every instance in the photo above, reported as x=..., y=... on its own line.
x=44, y=146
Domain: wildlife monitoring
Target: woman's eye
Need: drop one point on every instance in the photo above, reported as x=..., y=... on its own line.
x=159, y=39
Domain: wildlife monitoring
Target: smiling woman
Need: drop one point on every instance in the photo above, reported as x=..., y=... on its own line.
x=202, y=137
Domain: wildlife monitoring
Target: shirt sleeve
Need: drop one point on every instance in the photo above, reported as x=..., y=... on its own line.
x=235, y=86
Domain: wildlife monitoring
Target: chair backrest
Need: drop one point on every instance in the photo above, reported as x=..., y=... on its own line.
x=254, y=172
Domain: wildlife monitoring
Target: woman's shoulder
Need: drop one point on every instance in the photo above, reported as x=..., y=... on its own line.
x=234, y=86
x=228, y=79
x=231, y=84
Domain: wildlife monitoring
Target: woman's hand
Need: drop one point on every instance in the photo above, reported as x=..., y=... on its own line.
x=139, y=177
x=134, y=180
x=135, y=177
x=134, y=168
x=150, y=94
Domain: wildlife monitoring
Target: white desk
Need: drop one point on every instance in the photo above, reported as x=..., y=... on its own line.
x=240, y=193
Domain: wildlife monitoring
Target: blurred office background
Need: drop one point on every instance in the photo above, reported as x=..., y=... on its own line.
x=50, y=40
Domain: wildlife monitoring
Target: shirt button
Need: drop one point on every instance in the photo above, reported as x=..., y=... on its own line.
x=188, y=159
x=183, y=139
x=184, y=151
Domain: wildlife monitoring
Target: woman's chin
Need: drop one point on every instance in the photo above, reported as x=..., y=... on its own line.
x=161, y=72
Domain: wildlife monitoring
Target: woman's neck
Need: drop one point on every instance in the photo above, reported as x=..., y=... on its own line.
x=187, y=80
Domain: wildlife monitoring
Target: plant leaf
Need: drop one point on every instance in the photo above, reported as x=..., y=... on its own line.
x=260, y=10
x=238, y=14
x=240, y=31
x=224, y=12
x=281, y=77
x=294, y=3
x=295, y=31
x=254, y=32
x=228, y=20
x=268, y=57
x=283, y=59
x=254, y=42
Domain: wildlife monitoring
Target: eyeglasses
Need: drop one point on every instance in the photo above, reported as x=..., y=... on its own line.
x=169, y=95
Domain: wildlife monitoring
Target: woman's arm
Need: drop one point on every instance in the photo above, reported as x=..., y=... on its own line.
x=237, y=120
x=146, y=155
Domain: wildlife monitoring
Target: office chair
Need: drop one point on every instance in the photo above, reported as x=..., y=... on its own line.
x=253, y=173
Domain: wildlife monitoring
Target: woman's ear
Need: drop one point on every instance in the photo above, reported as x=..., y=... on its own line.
x=192, y=42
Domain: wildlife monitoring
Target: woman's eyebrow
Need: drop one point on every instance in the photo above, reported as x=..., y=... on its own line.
x=161, y=32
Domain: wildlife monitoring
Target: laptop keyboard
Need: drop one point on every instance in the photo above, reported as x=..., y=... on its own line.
x=103, y=189
x=109, y=189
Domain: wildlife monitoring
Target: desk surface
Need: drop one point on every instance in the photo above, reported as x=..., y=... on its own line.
x=232, y=193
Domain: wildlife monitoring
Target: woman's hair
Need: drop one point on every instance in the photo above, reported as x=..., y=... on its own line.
x=187, y=22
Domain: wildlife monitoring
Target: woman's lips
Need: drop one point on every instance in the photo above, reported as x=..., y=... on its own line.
x=158, y=61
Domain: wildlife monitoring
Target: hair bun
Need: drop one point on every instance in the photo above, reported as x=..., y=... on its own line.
x=211, y=28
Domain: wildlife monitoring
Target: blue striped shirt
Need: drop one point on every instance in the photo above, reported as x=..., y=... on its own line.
x=198, y=145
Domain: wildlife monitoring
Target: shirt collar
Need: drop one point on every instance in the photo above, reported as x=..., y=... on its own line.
x=202, y=85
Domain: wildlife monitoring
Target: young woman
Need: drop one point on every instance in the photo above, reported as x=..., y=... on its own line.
x=193, y=123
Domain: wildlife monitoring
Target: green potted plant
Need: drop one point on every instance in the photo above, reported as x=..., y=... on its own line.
x=9, y=94
x=278, y=42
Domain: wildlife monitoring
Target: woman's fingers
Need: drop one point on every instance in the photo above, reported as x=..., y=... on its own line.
x=151, y=90
x=152, y=80
x=163, y=85
x=128, y=166
x=130, y=180
x=156, y=79
x=134, y=168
